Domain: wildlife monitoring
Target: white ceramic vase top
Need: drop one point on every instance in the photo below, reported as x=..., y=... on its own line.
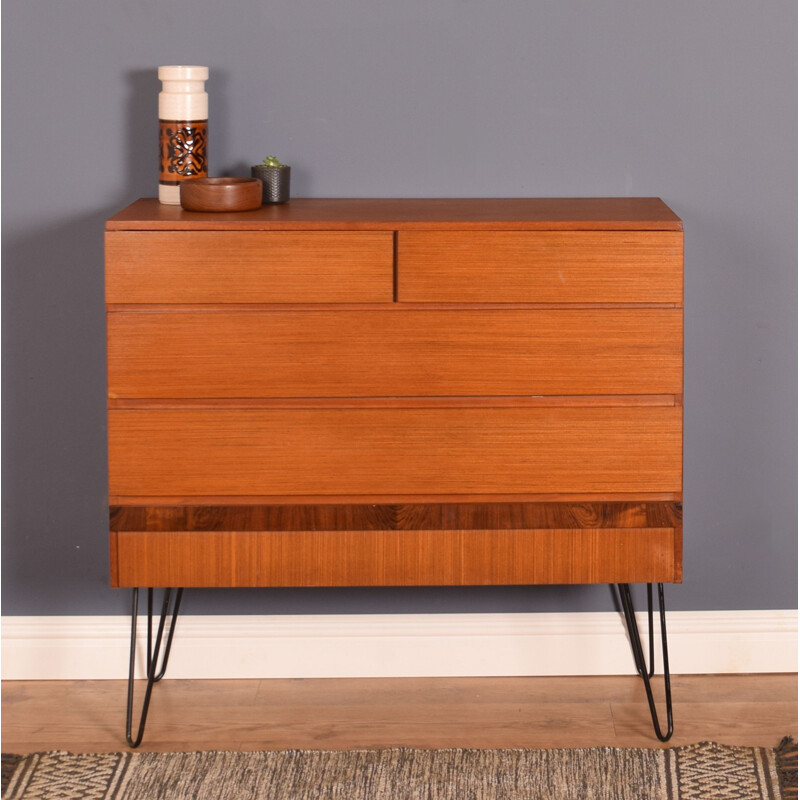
x=183, y=128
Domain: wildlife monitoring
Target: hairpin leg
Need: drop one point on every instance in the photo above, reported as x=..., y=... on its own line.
x=638, y=653
x=154, y=674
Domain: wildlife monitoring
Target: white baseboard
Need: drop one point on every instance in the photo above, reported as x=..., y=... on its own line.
x=403, y=645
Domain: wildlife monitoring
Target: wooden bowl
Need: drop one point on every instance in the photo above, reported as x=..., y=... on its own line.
x=221, y=194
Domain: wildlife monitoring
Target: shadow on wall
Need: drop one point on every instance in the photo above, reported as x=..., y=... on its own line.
x=140, y=178
x=54, y=413
x=55, y=518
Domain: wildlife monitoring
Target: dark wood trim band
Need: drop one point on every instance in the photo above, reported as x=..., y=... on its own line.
x=396, y=517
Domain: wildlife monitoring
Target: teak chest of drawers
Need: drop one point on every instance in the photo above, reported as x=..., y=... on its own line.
x=396, y=392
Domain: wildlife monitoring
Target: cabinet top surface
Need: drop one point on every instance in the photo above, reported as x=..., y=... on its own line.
x=590, y=213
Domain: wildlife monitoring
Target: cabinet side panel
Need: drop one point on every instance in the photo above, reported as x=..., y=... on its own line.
x=678, y=557
x=114, y=559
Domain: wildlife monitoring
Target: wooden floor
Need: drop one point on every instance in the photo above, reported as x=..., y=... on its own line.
x=86, y=716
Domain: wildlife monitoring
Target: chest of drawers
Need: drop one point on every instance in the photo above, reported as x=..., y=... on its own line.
x=409, y=392
x=395, y=392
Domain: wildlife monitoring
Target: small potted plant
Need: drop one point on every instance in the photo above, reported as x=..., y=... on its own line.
x=275, y=178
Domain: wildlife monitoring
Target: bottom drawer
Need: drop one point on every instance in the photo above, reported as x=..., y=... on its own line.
x=224, y=451
x=393, y=558
x=451, y=544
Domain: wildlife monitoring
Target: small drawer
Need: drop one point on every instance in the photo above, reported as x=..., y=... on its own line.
x=249, y=267
x=540, y=266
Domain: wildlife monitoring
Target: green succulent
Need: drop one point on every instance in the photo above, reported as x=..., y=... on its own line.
x=272, y=161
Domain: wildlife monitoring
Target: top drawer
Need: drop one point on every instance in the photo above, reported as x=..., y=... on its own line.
x=540, y=266
x=249, y=267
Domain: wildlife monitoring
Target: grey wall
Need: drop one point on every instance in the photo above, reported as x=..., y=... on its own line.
x=691, y=101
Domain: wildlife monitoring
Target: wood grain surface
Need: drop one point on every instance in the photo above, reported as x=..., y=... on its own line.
x=357, y=713
x=398, y=517
x=407, y=544
x=540, y=266
x=392, y=558
x=363, y=361
x=248, y=267
x=392, y=499
x=527, y=213
x=327, y=353
x=255, y=451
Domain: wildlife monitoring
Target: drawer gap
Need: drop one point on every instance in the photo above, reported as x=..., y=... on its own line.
x=607, y=401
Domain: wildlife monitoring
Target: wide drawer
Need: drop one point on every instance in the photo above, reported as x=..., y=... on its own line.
x=249, y=267
x=363, y=353
x=393, y=451
x=392, y=558
x=401, y=545
x=540, y=266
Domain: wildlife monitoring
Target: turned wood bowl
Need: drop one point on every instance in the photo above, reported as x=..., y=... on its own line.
x=221, y=194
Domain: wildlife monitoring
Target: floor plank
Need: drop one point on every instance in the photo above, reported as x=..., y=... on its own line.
x=85, y=716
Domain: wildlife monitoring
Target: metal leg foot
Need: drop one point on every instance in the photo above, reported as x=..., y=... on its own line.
x=154, y=673
x=638, y=653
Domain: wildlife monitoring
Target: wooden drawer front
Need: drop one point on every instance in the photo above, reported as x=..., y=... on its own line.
x=393, y=451
x=248, y=267
x=540, y=266
x=393, y=353
x=393, y=558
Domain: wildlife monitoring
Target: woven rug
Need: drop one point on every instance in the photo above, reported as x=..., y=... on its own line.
x=707, y=770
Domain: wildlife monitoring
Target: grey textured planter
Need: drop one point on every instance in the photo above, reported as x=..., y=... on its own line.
x=275, y=181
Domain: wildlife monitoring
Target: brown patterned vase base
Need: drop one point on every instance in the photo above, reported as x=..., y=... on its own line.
x=182, y=150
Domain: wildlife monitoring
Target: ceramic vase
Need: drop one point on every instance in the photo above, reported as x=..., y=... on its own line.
x=183, y=129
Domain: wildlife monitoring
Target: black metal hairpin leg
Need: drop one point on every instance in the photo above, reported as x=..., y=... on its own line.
x=638, y=653
x=154, y=674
